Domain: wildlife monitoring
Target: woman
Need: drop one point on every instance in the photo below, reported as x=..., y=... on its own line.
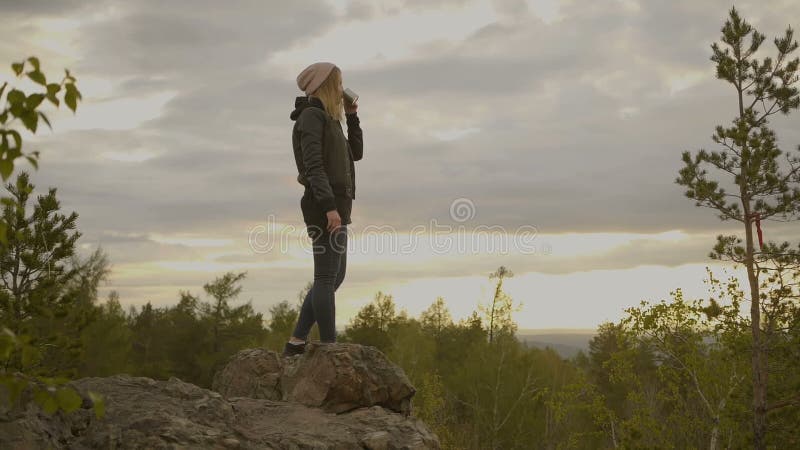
x=325, y=163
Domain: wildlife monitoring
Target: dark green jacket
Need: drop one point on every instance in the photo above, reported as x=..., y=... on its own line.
x=325, y=160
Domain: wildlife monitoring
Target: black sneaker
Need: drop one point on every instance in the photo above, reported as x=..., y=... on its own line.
x=293, y=349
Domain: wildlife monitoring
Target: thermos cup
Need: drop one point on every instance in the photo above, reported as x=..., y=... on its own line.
x=350, y=96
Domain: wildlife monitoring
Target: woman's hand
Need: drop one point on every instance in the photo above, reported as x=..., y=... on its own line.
x=350, y=108
x=334, y=221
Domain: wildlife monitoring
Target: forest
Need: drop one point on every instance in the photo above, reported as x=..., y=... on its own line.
x=673, y=374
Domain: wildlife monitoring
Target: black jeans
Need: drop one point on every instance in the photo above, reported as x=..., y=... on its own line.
x=330, y=263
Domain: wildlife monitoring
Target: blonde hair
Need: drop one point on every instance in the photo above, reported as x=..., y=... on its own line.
x=328, y=92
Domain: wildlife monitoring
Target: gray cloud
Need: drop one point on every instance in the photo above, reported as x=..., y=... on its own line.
x=556, y=148
x=510, y=8
x=201, y=41
x=359, y=10
x=141, y=250
x=562, y=161
x=39, y=8
x=423, y=4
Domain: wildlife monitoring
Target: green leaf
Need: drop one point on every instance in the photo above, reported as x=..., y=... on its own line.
x=3, y=88
x=30, y=119
x=34, y=62
x=17, y=109
x=3, y=236
x=99, y=404
x=13, y=153
x=41, y=114
x=17, y=139
x=34, y=100
x=15, y=96
x=37, y=77
x=68, y=399
x=17, y=68
x=72, y=90
x=52, y=90
x=33, y=161
x=71, y=100
x=8, y=202
x=4, y=117
x=46, y=401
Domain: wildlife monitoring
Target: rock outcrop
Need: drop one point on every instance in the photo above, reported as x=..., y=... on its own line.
x=335, y=396
x=337, y=378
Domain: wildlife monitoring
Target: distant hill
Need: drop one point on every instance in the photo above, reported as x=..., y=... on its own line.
x=565, y=342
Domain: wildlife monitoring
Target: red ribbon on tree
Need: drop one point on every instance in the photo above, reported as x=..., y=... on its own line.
x=757, y=216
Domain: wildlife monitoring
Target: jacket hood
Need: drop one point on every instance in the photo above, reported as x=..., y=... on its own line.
x=302, y=102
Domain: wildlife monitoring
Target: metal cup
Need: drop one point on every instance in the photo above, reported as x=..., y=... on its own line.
x=350, y=96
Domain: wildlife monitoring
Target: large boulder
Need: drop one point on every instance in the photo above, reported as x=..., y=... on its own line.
x=336, y=377
x=172, y=414
x=252, y=372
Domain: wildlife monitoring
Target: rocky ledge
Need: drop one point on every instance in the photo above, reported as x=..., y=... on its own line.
x=334, y=396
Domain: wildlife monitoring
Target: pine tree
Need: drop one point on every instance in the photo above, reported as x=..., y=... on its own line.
x=222, y=289
x=749, y=155
x=498, y=313
x=33, y=261
x=48, y=292
x=371, y=325
x=437, y=317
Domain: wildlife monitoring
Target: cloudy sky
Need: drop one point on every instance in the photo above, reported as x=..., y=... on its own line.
x=556, y=125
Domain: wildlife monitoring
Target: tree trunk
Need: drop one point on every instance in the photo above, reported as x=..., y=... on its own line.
x=759, y=357
x=613, y=434
x=714, y=435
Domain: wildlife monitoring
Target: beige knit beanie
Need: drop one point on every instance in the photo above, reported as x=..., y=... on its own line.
x=313, y=76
